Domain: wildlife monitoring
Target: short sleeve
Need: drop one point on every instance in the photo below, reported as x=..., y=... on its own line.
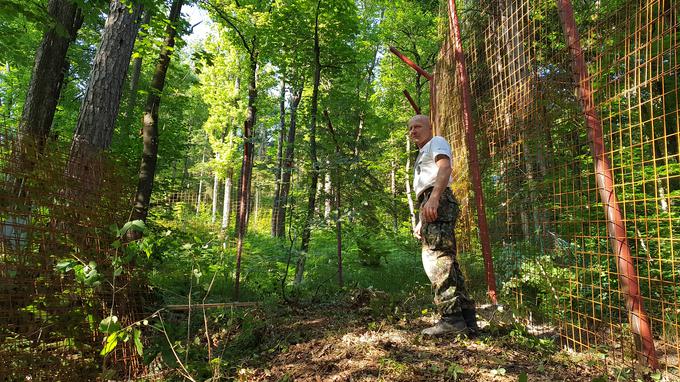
x=439, y=146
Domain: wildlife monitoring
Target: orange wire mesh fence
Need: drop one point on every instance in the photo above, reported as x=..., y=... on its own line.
x=61, y=271
x=551, y=247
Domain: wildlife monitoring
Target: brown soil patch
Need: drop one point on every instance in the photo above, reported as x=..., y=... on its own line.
x=348, y=344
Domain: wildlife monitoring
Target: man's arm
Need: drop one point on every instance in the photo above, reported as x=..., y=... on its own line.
x=429, y=209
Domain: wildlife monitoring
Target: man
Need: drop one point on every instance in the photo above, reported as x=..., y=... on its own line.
x=437, y=219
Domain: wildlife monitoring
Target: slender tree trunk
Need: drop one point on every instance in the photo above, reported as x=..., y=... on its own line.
x=49, y=69
x=328, y=196
x=147, y=168
x=226, y=207
x=338, y=230
x=419, y=89
x=279, y=155
x=101, y=102
x=314, y=176
x=393, y=192
x=336, y=182
x=216, y=188
x=246, y=167
x=409, y=197
x=136, y=72
x=288, y=163
x=200, y=187
x=256, y=215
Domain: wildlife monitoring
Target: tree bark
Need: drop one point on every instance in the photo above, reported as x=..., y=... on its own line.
x=102, y=98
x=411, y=206
x=257, y=205
x=314, y=176
x=200, y=187
x=288, y=163
x=393, y=192
x=49, y=68
x=226, y=207
x=136, y=72
x=279, y=155
x=147, y=168
x=216, y=187
x=101, y=102
x=328, y=196
x=337, y=184
x=246, y=166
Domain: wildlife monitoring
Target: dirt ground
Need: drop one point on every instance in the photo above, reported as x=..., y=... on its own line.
x=348, y=343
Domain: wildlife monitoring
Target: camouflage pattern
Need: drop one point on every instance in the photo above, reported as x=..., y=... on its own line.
x=439, y=257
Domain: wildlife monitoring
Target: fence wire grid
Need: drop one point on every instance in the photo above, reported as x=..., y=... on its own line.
x=57, y=263
x=547, y=224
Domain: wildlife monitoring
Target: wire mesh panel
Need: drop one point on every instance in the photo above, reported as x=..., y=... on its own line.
x=552, y=252
x=58, y=277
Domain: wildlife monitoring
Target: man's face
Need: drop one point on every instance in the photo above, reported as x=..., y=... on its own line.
x=419, y=131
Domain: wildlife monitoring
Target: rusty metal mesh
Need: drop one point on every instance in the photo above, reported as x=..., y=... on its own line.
x=551, y=251
x=50, y=211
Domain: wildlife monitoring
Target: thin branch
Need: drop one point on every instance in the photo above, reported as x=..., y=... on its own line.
x=184, y=371
x=229, y=21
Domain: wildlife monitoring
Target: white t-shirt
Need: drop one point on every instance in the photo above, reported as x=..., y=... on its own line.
x=425, y=169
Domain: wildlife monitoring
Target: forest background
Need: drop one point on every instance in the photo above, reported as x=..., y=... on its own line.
x=264, y=161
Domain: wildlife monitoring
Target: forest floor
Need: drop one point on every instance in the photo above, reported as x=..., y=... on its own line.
x=346, y=342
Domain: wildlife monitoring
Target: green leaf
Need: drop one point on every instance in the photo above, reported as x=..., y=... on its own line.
x=138, y=342
x=523, y=378
x=109, y=325
x=65, y=265
x=135, y=225
x=111, y=342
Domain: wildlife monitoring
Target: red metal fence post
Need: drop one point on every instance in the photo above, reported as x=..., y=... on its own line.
x=411, y=101
x=410, y=63
x=473, y=159
x=616, y=227
x=433, y=107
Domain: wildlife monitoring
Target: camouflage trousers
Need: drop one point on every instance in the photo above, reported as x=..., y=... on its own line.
x=439, y=257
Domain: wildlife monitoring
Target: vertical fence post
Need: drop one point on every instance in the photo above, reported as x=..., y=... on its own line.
x=616, y=227
x=473, y=158
x=433, y=106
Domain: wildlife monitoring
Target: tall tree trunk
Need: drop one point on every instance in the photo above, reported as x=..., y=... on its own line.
x=246, y=167
x=409, y=197
x=288, y=163
x=338, y=230
x=256, y=214
x=147, y=168
x=226, y=207
x=314, y=178
x=393, y=192
x=327, y=192
x=200, y=187
x=279, y=155
x=136, y=72
x=216, y=187
x=49, y=69
x=336, y=182
x=101, y=102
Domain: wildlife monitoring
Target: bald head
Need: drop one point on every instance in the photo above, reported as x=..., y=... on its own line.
x=420, y=130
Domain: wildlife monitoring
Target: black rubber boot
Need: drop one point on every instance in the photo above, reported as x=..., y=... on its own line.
x=447, y=325
x=470, y=317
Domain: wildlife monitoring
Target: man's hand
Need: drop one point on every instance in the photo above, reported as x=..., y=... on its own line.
x=429, y=210
x=416, y=231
